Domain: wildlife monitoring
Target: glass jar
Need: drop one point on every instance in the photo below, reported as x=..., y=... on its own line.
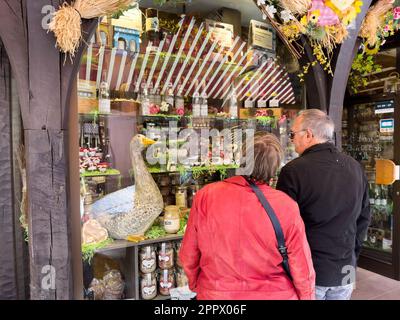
x=147, y=259
x=181, y=197
x=171, y=219
x=166, y=281
x=148, y=286
x=181, y=278
x=165, y=255
x=178, y=245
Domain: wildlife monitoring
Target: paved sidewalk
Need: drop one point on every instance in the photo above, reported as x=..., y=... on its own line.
x=372, y=286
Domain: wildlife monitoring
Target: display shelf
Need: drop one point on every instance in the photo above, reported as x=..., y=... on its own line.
x=197, y=169
x=122, y=244
x=108, y=172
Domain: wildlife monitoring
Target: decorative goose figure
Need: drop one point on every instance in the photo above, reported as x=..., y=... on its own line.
x=148, y=201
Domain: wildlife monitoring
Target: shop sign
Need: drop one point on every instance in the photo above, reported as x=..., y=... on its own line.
x=386, y=125
x=384, y=107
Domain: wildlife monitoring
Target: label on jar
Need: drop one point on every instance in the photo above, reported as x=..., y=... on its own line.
x=152, y=24
x=148, y=291
x=147, y=264
x=166, y=285
x=171, y=225
x=163, y=257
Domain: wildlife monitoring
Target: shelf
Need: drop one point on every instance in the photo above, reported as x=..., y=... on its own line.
x=123, y=244
x=109, y=172
x=201, y=169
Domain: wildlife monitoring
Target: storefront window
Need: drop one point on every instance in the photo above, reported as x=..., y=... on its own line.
x=144, y=103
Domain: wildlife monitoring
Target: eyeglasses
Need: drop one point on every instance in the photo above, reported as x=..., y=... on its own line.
x=293, y=133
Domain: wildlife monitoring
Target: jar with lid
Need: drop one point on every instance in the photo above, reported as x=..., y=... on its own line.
x=181, y=197
x=147, y=259
x=171, y=219
x=165, y=255
x=181, y=278
x=148, y=286
x=166, y=281
x=178, y=245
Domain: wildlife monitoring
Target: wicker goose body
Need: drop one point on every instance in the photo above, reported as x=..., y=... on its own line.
x=148, y=201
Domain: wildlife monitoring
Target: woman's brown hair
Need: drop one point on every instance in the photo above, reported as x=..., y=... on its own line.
x=268, y=155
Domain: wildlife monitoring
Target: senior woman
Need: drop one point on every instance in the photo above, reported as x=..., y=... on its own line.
x=230, y=248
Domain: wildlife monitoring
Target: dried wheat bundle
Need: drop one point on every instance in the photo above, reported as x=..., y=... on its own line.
x=299, y=7
x=374, y=20
x=66, y=22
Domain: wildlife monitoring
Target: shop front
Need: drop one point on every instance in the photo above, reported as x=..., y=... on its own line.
x=156, y=102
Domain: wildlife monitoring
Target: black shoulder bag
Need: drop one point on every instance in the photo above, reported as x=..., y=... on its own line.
x=275, y=223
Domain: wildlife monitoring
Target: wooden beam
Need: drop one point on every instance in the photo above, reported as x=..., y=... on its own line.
x=8, y=272
x=345, y=57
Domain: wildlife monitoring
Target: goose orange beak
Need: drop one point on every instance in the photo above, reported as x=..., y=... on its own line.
x=147, y=141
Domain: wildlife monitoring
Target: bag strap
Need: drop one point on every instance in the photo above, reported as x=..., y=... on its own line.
x=275, y=223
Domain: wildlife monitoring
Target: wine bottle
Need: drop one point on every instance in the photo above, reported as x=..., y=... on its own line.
x=104, y=96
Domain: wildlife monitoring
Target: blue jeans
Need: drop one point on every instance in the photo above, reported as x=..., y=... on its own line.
x=334, y=293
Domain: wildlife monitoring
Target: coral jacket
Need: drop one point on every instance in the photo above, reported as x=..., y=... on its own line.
x=229, y=250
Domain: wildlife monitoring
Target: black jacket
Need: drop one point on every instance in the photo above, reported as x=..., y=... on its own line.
x=331, y=190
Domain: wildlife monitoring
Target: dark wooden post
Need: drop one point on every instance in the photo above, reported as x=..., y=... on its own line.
x=8, y=270
x=44, y=85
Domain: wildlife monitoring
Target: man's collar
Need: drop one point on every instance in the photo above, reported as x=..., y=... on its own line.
x=319, y=147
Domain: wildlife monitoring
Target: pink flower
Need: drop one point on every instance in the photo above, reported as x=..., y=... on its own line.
x=386, y=29
x=261, y=113
x=154, y=109
x=180, y=111
x=396, y=13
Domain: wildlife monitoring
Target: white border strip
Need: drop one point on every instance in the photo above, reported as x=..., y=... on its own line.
x=155, y=63
x=111, y=68
x=131, y=71
x=257, y=82
x=264, y=84
x=201, y=67
x=182, y=46
x=268, y=84
x=226, y=69
x=100, y=67
x=223, y=62
x=144, y=64
x=196, y=60
x=121, y=70
x=189, y=55
x=233, y=73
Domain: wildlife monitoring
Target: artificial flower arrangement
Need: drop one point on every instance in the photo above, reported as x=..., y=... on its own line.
x=382, y=20
x=323, y=22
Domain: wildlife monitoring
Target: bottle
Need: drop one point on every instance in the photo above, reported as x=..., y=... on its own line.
x=377, y=195
x=145, y=102
x=152, y=27
x=170, y=96
x=109, y=156
x=179, y=101
x=233, y=105
x=104, y=96
x=204, y=105
x=196, y=104
x=371, y=194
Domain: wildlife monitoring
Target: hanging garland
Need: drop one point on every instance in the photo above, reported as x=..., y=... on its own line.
x=381, y=21
x=66, y=21
x=323, y=22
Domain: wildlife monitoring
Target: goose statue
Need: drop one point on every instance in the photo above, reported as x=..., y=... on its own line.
x=147, y=199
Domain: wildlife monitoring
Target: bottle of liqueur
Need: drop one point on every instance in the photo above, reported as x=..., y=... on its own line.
x=204, y=103
x=152, y=27
x=104, y=95
x=145, y=102
x=233, y=105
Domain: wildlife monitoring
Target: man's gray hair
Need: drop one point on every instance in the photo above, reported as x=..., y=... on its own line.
x=319, y=123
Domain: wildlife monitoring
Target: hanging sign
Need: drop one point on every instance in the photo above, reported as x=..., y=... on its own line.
x=384, y=107
x=386, y=125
